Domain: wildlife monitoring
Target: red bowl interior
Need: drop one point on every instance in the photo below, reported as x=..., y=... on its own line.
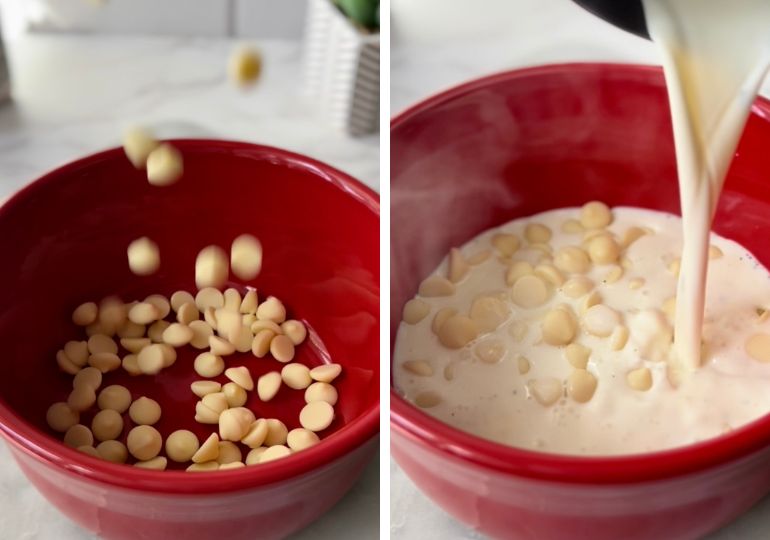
x=64, y=242
x=522, y=142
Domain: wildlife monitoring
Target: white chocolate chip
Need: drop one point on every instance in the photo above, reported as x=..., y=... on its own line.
x=234, y=394
x=505, y=244
x=244, y=66
x=144, y=411
x=441, y=317
x=316, y=416
x=143, y=256
x=326, y=372
x=143, y=313
x=261, y=344
x=435, y=286
x=135, y=345
x=581, y=385
x=156, y=329
x=294, y=330
x=522, y=363
x=208, y=451
x=211, y=268
x=577, y=355
x=321, y=391
x=60, y=417
x=115, y=397
x=271, y=309
x=572, y=259
x=158, y=463
x=164, y=165
x=268, y=385
x=188, y=313
x=89, y=376
x=758, y=347
x=550, y=273
x=107, y=425
x=177, y=335
x=250, y=302
x=240, y=376
x=81, y=398
x=458, y=266
x=619, y=338
x=78, y=435
x=209, y=297
x=296, y=376
x=537, y=233
x=600, y=320
x=276, y=432
x=489, y=313
x=457, y=331
x=546, y=390
x=559, y=327
x=201, y=388
x=301, y=439
x=572, y=226
x=206, y=466
x=257, y=433
x=229, y=454
x=181, y=445
x=274, y=452
x=595, y=215
x=234, y=423
x=489, y=351
x=282, y=349
x=639, y=379
x=516, y=270
x=216, y=401
x=180, y=298
x=577, y=286
x=104, y=362
x=65, y=364
x=144, y=442
x=112, y=451
x=201, y=334
x=150, y=360
x=208, y=365
x=85, y=314
x=246, y=257
x=415, y=310
x=137, y=144
x=479, y=257
x=220, y=347
x=420, y=368
x=529, y=292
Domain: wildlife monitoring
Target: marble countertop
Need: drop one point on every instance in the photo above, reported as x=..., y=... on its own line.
x=535, y=32
x=74, y=96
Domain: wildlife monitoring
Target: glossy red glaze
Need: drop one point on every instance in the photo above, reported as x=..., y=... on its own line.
x=64, y=242
x=526, y=141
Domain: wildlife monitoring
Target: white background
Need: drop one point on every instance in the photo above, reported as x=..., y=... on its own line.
x=440, y=43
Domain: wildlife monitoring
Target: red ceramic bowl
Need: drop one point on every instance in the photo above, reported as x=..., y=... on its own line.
x=63, y=241
x=526, y=141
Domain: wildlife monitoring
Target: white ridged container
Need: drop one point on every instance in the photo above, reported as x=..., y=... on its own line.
x=342, y=69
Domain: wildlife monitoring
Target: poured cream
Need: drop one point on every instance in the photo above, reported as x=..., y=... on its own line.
x=495, y=400
x=715, y=55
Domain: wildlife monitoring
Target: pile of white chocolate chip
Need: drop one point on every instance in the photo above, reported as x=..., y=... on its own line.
x=141, y=337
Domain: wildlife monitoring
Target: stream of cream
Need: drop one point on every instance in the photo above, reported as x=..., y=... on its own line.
x=715, y=55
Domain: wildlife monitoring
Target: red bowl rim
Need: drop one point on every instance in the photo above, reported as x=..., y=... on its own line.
x=54, y=453
x=411, y=423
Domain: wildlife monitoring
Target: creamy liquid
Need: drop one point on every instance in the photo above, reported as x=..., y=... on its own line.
x=495, y=401
x=715, y=55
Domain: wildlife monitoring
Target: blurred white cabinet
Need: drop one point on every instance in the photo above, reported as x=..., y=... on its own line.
x=283, y=19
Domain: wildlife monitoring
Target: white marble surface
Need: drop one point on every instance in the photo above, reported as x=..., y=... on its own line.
x=74, y=95
x=434, y=49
